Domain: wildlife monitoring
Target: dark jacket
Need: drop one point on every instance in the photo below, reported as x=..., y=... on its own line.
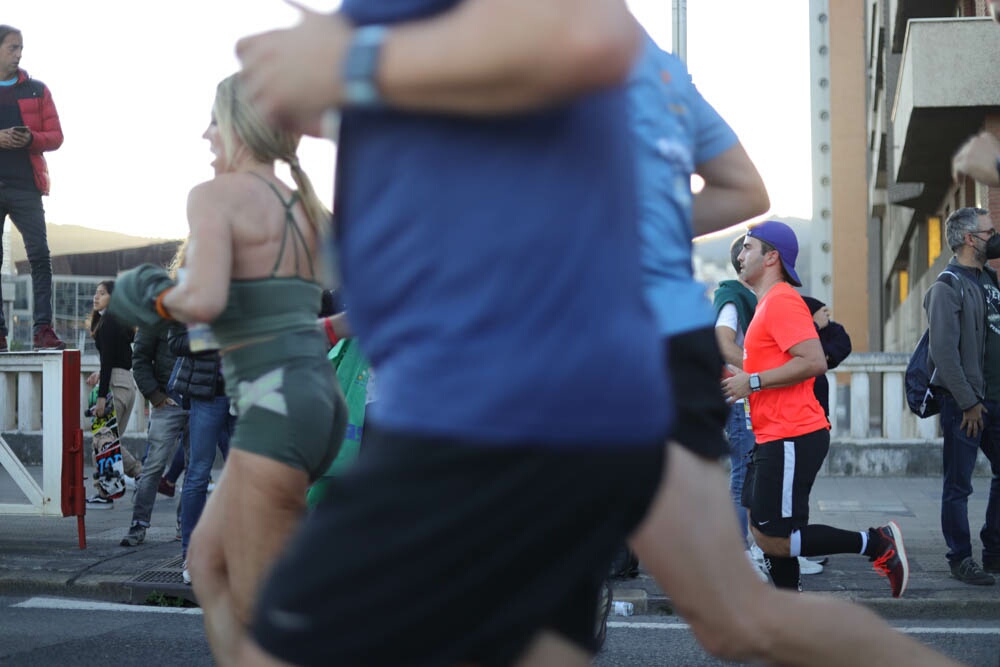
x=956, y=322
x=738, y=294
x=114, y=346
x=38, y=112
x=197, y=375
x=836, y=346
x=152, y=363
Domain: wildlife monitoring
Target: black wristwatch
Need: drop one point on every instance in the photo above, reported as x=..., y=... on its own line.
x=361, y=66
x=755, y=382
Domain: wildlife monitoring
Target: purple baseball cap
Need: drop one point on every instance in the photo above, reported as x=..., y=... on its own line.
x=781, y=236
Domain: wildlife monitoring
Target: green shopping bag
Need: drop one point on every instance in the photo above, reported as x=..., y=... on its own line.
x=353, y=371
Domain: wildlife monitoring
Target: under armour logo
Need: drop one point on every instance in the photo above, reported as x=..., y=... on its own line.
x=264, y=392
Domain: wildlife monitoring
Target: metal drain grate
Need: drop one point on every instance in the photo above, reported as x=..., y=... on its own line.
x=164, y=578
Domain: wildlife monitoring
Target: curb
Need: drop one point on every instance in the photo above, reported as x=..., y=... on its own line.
x=95, y=588
x=887, y=608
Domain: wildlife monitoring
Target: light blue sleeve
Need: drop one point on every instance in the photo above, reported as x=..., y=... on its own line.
x=713, y=136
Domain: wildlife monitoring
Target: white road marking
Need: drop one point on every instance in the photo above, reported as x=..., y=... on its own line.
x=640, y=625
x=92, y=605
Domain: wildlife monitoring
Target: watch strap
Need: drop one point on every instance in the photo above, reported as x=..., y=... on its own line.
x=361, y=66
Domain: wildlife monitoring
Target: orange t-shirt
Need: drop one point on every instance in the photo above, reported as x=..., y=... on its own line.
x=781, y=321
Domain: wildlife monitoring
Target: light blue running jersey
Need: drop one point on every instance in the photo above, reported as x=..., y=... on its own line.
x=675, y=130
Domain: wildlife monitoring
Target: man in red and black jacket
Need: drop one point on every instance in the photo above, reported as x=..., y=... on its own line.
x=29, y=126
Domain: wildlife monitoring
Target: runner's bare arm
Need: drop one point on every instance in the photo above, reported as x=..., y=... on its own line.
x=734, y=191
x=482, y=57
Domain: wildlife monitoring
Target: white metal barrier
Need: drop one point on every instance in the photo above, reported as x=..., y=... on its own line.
x=21, y=386
x=31, y=394
x=893, y=420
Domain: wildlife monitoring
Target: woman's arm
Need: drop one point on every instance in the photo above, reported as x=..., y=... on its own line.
x=203, y=292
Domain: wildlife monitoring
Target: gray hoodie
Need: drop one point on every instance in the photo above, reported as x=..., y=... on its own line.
x=956, y=313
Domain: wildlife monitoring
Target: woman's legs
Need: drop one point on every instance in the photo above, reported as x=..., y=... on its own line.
x=123, y=393
x=245, y=525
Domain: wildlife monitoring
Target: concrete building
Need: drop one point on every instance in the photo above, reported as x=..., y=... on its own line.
x=933, y=80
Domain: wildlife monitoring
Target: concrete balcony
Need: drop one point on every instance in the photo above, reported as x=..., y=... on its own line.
x=904, y=11
x=948, y=81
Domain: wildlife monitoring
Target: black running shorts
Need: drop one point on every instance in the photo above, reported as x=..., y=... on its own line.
x=694, y=368
x=779, y=480
x=432, y=552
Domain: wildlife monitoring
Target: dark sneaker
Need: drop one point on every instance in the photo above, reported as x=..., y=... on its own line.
x=968, y=572
x=890, y=556
x=136, y=536
x=3, y=343
x=166, y=487
x=100, y=502
x=46, y=339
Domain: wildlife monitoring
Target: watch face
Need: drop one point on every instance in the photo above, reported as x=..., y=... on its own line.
x=755, y=382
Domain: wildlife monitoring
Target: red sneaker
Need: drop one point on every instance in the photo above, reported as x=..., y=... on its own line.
x=3, y=343
x=46, y=339
x=890, y=556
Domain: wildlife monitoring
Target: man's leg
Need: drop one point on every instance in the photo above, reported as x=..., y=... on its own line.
x=28, y=216
x=990, y=534
x=959, y=455
x=209, y=420
x=166, y=425
x=4, y=211
x=741, y=442
x=689, y=543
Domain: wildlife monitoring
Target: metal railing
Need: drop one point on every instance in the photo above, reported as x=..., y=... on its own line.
x=21, y=391
x=875, y=408
x=867, y=407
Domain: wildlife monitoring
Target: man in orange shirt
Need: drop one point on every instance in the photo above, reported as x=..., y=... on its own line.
x=781, y=357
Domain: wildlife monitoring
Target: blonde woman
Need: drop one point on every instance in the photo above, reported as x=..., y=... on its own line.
x=251, y=271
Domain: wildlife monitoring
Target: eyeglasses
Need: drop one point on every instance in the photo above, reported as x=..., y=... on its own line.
x=990, y=233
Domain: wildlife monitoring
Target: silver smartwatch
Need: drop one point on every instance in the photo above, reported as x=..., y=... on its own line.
x=755, y=382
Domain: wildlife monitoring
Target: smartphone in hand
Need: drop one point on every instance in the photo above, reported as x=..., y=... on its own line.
x=20, y=128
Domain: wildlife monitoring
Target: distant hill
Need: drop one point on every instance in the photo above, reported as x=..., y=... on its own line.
x=74, y=239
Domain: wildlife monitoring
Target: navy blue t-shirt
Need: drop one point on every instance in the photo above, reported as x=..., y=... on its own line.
x=492, y=267
x=15, y=165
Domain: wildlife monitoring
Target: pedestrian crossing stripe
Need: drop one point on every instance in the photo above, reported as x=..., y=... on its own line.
x=914, y=630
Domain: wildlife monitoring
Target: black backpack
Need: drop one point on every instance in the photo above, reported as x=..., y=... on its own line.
x=919, y=380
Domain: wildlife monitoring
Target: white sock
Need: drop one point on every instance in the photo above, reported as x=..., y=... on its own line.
x=795, y=544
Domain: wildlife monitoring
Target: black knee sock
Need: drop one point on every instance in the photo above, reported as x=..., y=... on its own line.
x=819, y=540
x=784, y=572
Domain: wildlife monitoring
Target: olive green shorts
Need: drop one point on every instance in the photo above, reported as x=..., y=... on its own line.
x=288, y=401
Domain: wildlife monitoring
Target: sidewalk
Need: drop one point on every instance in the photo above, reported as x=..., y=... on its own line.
x=858, y=503
x=41, y=556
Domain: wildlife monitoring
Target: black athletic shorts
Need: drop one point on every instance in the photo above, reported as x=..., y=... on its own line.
x=435, y=552
x=779, y=479
x=694, y=367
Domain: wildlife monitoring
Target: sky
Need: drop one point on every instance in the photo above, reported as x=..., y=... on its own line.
x=134, y=84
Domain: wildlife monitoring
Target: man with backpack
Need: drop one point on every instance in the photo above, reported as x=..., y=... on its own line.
x=964, y=308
